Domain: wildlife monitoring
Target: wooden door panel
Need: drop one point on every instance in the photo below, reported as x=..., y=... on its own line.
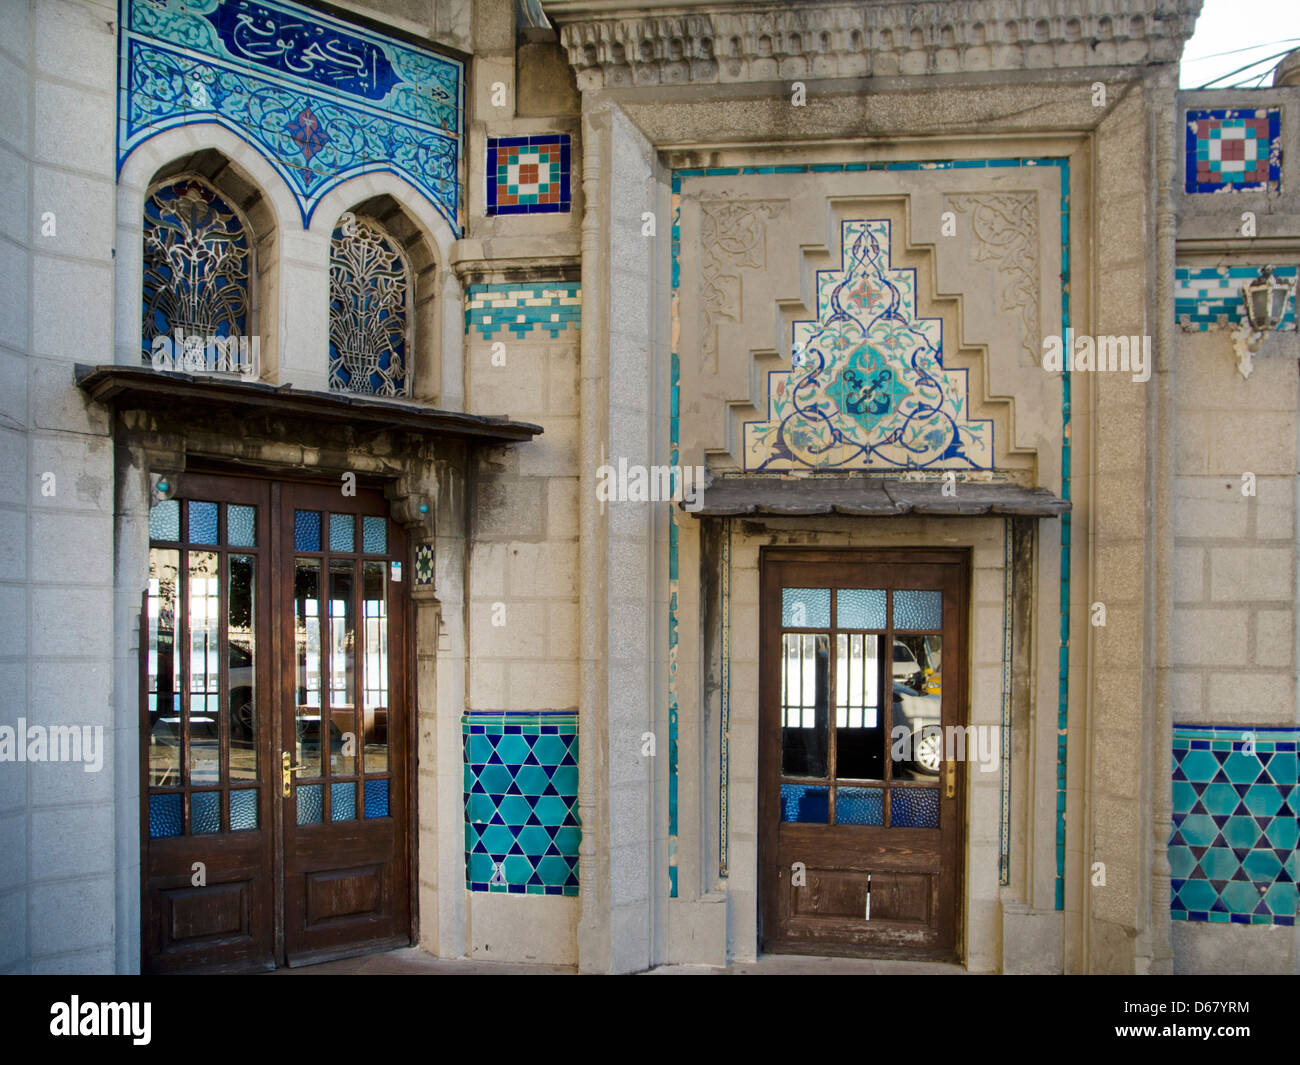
x=894, y=656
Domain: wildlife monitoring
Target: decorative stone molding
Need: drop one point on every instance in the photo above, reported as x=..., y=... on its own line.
x=733, y=236
x=1005, y=227
x=615, y=44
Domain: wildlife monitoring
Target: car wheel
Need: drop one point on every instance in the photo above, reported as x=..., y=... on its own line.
x=927, y=751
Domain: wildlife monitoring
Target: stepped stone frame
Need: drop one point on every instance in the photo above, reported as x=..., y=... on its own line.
x=710, y=87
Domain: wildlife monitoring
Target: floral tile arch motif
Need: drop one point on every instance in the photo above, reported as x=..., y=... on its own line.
x=868, y=390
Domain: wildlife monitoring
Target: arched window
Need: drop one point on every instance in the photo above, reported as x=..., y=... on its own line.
x=370, y=294
x=197, y=264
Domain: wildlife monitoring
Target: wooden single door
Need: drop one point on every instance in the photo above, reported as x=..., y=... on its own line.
x=862, y=662
x=273, y=727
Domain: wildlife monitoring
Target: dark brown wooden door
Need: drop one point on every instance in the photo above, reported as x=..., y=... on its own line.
x=862, y=662
x=273, y=732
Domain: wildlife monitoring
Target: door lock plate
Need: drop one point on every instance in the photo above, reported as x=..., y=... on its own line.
x=286, y=774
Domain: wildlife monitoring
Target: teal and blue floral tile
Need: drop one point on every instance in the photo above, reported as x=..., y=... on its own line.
x=1209, y=297
x=1232, y=853
x=521, y=803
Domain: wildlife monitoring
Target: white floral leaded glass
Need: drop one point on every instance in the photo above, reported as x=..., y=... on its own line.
x=197, y=262
x=370, y=292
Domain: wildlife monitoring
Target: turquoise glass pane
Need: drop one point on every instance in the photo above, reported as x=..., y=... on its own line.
x=375, y=535
x=306, y=530
x=343, y=801
x=805, y=608
x=205, y=812
x=376, y=798
x=243, y=809
x=241, y=526
x=805, y=804
x=203, y=522
x=342, y=532
x=860, y=806
x=310, y=804
x=164, y=816
x=918, y=610
x=914, y=808
x=860, y=608
x=165, y=520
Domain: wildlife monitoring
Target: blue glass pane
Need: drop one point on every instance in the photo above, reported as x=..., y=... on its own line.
x=205, y=812
x=306, y=530
x=860, y=608
x=376, y=798
x=203, y=522
x=164, y=816
x=165, y=520
x=341, y=532
x=805, y=804
x=241, y=526
x=310, y=804
x=343, y=801
x=243, y=809
x=918, y=610
x=860, y=806
x=805, y=608
x=914, y=808
x=375, y=535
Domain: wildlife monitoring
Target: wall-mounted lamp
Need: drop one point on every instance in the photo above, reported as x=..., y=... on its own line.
x=1265, y=301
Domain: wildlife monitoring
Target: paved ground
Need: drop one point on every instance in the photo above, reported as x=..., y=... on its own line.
x=413, y=961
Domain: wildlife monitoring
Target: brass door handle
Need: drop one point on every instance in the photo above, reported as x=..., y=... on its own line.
x=286, y=774
x=951, y=778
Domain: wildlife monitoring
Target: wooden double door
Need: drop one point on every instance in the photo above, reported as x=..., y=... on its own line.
x=862, y=753
x=274, y=733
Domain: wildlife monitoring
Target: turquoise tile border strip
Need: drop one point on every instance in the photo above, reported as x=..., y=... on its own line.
x=1004, y=737
x=522, y=830
x=1062, y=743
x=1236, y=822
x=546, y=306
x=321, y=99
x=1208, y=298
x=724, y=725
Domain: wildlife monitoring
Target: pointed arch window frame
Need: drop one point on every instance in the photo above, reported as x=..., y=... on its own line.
x=408, y=309
x=252, y=307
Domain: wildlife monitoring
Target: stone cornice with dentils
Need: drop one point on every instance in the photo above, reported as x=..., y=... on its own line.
x=616, y=44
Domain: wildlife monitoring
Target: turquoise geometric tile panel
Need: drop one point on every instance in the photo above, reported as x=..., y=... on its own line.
x=323, y=100
x=869, y=389
x=548, y=305
x=1208, y=298
x=521, y=802
x=1236, y=817
x=1240, y=151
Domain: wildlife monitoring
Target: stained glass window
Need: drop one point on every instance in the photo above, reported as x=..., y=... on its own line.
x=197, y=262
x=370, y=292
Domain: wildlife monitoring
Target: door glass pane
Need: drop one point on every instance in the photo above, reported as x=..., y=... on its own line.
x=914, y=807
x=205, y=668
x=918, y=610
x=307, y=652
x=376, y=798
x=341, y=532
x=241, y=526
x=860, y=608
x=164, y=670
x=916, y=743
x=240, y=663
x=805, y=688
x=165, y=815
x=859, y=730
x=243, y=809
x=859, y=806
x=805, y=804
x=375, y=606
x=342, y=670
x=805, y=608
x=343, y=800
x=203, y=522
x=306, y=530
x=375, y=535
x=165, y=520
x=310, y=804
x=205, y=812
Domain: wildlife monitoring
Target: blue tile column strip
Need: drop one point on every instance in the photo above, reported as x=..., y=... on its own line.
x=321, y=99
x=1004, y=737
x=521, y=802
x=1062, y=746
x=1236, y=819
x=724, y=747
x=521, y=309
